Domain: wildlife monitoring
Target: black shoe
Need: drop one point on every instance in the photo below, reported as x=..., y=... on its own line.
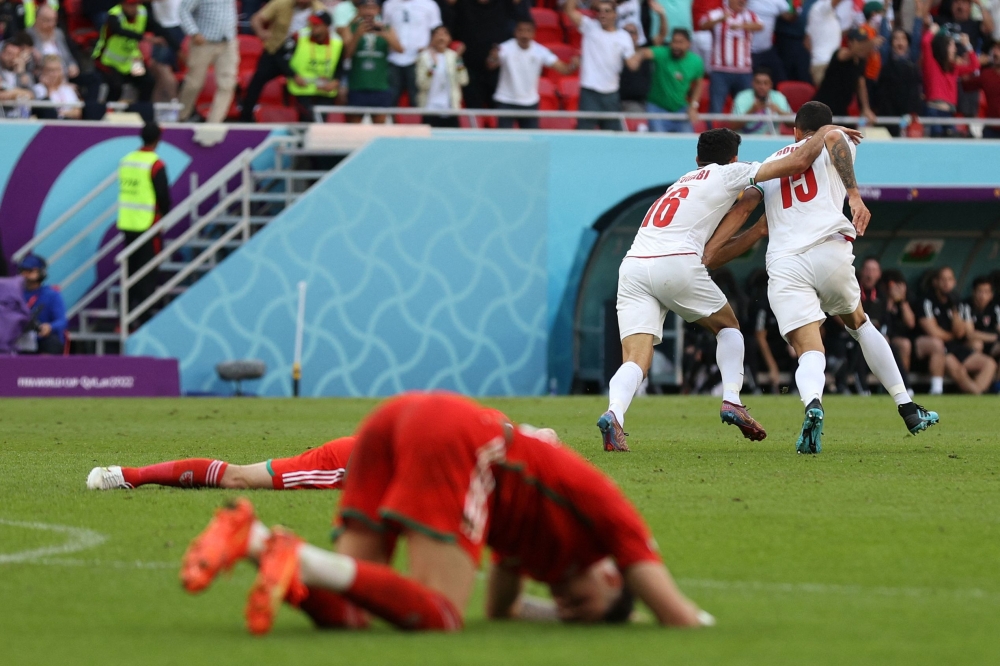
x=916, y=418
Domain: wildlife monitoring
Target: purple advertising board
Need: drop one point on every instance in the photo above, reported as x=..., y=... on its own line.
x=88, y=376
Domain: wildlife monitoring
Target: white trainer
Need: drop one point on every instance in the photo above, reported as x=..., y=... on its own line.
x=106, y=478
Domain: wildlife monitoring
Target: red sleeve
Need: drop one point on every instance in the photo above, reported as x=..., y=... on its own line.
x=157, y=167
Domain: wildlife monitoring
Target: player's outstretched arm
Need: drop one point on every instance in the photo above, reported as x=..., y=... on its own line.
x=651, y=582
x=723, y=247
x=802, y=158
x=843, y=162
x=502, y=591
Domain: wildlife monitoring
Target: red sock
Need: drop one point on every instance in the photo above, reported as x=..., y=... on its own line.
x=402, y=601
x=190, y=473
x=329, y=610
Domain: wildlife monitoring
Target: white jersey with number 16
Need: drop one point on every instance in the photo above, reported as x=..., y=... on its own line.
x=686, y=216
x=805, y=210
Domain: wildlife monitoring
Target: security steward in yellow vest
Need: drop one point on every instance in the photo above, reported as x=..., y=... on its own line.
x=312, y=65
x=117, y=56
x=143, y=198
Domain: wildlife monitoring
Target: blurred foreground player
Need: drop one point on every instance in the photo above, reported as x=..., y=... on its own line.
x=451, y=477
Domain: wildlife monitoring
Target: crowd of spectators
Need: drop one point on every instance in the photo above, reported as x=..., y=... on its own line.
x=218, y=59
x=936, y=336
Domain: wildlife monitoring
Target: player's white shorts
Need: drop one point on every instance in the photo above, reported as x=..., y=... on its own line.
x=802, y=287
x=647, y=288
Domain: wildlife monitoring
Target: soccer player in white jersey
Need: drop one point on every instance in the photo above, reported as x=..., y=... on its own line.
x=810, y=267
x=664, y=271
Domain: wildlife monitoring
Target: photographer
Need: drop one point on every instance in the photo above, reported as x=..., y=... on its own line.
x=368, y=51
x=760, y=99
x=943, y=64
x=47, y=329
x=976, y=32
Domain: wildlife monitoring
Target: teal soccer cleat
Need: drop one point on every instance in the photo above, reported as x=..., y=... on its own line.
x=916, y=418
x=812, y=429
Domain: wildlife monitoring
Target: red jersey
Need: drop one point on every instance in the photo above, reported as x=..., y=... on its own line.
x=554, y=514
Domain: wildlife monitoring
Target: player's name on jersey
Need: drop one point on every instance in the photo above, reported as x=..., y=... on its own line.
x=700, y=174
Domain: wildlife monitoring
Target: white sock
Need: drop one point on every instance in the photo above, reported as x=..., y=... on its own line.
x=937, y=385
x=729, y=358
x=810, y=376
x=878, y=355
x=622, y=388
x=325, y=569
x=259, y=534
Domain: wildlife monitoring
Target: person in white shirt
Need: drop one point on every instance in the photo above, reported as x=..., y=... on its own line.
x=825, y=26
x=762, y=49
x=810, y=267
x=520, y=61
x=412, y=20
x=52, y=87
x=605, y=49
x=665, y=269
x=441, y=75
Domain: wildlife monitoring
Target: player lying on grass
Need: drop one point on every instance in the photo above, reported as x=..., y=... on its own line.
x=451, y=477
x=810, y=268
x=663, y=271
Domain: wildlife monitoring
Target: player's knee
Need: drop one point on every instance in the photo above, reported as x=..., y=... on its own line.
x=234, y=479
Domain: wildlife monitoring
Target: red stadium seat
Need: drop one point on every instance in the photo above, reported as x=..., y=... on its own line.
x=569, y=92
x=251, y=49
x=269, y=113
x=853, y=109
x=548, y=27
x=706, y=98
x=274, y=92
x=797, y=93
x=557, y=123
x=547, y=93
x=564, y=52
x=336, y=118
x=408, y=119
x=572, y=34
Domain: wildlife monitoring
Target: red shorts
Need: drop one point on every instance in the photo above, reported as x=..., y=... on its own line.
x=321, y=468
x=422, y=464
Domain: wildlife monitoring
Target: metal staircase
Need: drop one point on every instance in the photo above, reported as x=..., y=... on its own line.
x=215, y=220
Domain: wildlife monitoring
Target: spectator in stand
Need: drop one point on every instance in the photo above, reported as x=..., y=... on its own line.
x=630, y=14
x=946, y=334
x=211, y=24
x=762, y=48
x=164, y=56
x=633, y=86
x=977, y=31
x=344, y=12
x=993, y=7
x=16, y=80
x=276, y=22
x=313, y=65
x=760, y=99
x=678, y=79
x=732, y=66
x=988, y=80
x=604, y=50
x=982, y=319
x=368, y=50
x=877, y=30
x=52, y=87
x=942, y=67
x=900, y=323
x=789, y=42
x=441, y=75
x=117, y=55
x=701, y=39
x=481, y=25
x=8, y=21
x=45, y=304
x=50, y=40
x=29, y=11
x=413, y=21
x=898, y=90
x=845, y=77
x=520, y=61
x=824, y=34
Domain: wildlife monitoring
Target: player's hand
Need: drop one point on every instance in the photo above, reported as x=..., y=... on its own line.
x=854, y=135
x=860, y=214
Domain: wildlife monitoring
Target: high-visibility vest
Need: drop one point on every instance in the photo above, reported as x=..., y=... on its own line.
x=118, y=52
x=314, y=61
x=31, y=10
x=136, y=196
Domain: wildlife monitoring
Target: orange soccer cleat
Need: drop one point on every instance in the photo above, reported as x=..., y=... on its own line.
x=219, y=546
x=277, y=581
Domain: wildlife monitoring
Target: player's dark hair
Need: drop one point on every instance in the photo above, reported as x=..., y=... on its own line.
x=812, y=116
x=621, y=609
x=760, y=70
x=718, y=146
x=683, y=32
x=150, y=134
x=893, y=275
x=981, y=279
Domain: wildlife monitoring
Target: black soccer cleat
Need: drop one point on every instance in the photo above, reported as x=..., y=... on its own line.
x=916, y=418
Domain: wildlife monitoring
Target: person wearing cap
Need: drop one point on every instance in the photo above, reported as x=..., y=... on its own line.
x=48, y=312
x=211, y=24
x=143, y=198
x=117, y=56
x=312, y=65
x=274, y=24
x=845, y=77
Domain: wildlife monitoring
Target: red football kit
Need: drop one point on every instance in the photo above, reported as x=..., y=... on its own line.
x=321, y=468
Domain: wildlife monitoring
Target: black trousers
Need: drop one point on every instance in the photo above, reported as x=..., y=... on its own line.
x=268, y=68
x=115, y=80
x=145, y=287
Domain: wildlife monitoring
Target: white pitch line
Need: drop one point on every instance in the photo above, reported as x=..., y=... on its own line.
x=114, y=564
x=750, y=586
x=77, y=539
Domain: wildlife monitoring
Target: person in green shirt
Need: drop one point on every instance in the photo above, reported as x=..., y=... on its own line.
x=763, y=99
x=369, y=46
x=678, y=78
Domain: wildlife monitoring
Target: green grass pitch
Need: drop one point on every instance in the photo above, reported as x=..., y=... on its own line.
x=884, y=549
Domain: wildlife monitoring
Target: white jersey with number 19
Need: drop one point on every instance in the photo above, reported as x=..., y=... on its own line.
x=805, y=210
x=686, y=216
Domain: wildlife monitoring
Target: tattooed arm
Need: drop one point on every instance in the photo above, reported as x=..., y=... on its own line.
x=843, y=162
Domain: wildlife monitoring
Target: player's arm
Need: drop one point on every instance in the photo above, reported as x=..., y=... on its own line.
x=651, y=582
x=723, y=246
x=502, y=592
x=930, y=326
x=843, y=162
x=802, y=158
